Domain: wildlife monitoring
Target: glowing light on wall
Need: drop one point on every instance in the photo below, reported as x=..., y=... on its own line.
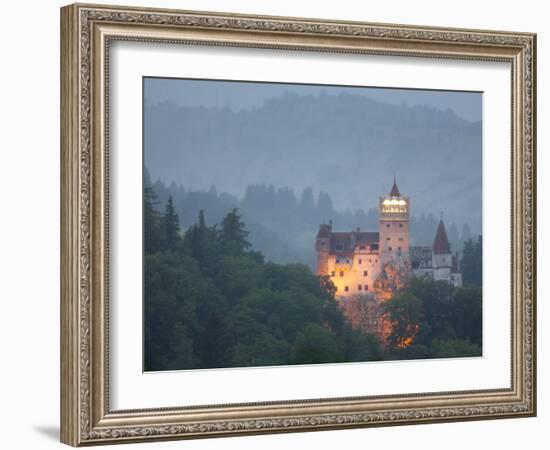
x=394, y=202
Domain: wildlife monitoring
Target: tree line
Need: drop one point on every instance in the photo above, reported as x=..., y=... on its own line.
x=282, y=225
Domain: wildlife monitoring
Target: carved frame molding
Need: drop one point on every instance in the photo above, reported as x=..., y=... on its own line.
x=86, y=32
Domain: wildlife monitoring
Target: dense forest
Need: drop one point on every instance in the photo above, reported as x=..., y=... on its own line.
x=283, y=225
x=212, y=300
x=440, y=320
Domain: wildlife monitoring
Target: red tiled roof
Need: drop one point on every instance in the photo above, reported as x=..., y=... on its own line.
x=346, y=241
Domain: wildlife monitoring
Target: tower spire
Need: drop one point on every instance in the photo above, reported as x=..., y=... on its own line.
x=394, y=190
x=441, y=242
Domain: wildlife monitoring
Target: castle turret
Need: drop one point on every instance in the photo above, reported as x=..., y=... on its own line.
x=322, y=245
x=442, y=256
x=394, y=225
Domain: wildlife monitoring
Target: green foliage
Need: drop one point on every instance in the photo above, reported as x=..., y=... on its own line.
x=437, y=306
x=173, y=289
x=171, y=226
x=233, y=235
x=414, y=351
x=467, y=314
x=472, y=262
x=406, y=314
x=152, y=238
x=315, y=344
x=201, y=243
x=454, y=348
x=212, y=302
x=442, y=321
x=358, y=346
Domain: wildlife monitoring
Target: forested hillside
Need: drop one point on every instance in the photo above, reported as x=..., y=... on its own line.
x=211, y=300
x=283, y=224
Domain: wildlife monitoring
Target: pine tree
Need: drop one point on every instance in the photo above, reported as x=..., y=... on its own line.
x=233, y=235
x=454, y=238
x=197, y=238
x=324, y=206
x=472, y=262
x=307, y=202
x=200, y=242
x=151, y=222
x=171, y=226
x=466, y=233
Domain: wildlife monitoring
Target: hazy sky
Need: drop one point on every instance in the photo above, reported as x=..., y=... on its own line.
x=347, y=141
x=242, y=95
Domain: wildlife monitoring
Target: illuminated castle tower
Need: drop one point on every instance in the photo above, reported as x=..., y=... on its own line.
x=394, y=225
x=355, y=259
x=357, y=262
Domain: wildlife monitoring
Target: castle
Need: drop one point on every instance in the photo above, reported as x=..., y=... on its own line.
x=355, y=260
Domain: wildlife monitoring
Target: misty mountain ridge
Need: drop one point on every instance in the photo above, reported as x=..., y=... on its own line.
x=347, y=145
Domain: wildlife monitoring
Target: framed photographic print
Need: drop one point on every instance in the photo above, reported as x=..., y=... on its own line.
x=275, y=224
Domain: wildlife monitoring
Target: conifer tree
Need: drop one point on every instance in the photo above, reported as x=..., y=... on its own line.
x=324, y=206
x=151, y=222
x=201, y=243
x=307, y=202
x=196, y=238
x=233, y=235
x=171, y=226
x=472, y=262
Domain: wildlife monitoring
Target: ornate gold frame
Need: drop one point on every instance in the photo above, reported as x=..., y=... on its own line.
x=86, y=31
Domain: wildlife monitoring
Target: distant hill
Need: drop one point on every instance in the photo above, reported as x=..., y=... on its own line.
x=347, y=145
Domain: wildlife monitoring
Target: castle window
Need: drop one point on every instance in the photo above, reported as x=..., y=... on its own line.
x=346, y=289
x=333, y=274
x=387, y=225
x=387, y=239
x=389, y=248
x=366, y=273
x=400, y=225
x=362, y=247
x=366, y=287
x=400, y=238
x=341, y=273
x=360, y=261
x=359, y=287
